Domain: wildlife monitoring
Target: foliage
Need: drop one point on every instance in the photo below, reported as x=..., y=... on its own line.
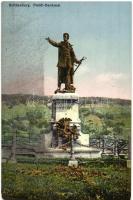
x=106, y=120
x=96, y=119
x=29, y=119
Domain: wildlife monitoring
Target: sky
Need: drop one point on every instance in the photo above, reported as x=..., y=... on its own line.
x=100, y=31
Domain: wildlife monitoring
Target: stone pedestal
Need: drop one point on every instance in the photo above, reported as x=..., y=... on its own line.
x=64, y=105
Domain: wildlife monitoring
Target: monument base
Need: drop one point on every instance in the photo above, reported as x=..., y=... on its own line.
x=66, y=105
x=73, y=163
x=88, y=153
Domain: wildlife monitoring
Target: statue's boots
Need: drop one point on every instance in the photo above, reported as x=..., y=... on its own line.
x=56, y=91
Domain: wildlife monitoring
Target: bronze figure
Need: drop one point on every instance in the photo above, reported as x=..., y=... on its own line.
x=66, y=60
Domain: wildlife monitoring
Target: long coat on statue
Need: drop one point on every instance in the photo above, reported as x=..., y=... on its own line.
x=66, y=60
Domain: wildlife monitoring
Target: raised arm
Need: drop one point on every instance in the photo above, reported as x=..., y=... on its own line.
x=55, y=44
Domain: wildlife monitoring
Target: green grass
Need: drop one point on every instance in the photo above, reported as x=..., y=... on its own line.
x=55, y=181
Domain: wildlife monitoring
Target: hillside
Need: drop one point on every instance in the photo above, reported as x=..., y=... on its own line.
x=30, y=115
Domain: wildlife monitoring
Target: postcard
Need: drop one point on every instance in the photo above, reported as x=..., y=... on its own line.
x=66, y=100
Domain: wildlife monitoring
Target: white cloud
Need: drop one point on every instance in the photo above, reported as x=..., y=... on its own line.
x=110, y=78
x=82, y=70
x=105, y=84
x=50, y=85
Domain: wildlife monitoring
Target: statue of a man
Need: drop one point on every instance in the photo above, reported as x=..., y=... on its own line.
x=66, y=60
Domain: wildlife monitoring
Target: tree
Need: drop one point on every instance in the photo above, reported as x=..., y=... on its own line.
x=118, y=129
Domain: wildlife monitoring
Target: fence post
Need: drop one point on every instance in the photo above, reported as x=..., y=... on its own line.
x=103, y=144
x=115, y=146
x=129, y=147
x=13, y=149
x=129, y=152
x=99, y=142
